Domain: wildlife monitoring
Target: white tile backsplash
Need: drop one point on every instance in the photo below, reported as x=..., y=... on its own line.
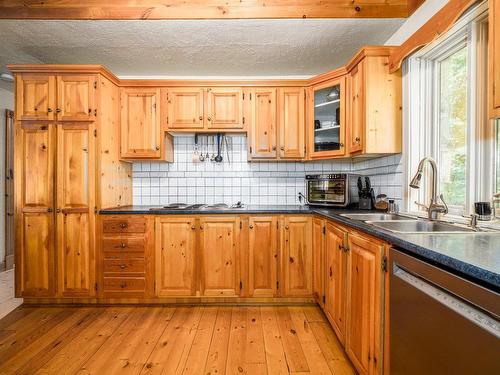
x=263, y=182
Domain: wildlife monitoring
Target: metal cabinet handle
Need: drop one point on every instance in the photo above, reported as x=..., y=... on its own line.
x=357, y=139
x=123, y=285
x=58, y=110
x=123, y=225
x=331, y=273
x=193, y=227
x=49, y=110
x=274, y=148
x=286, y=227
x=251, y=226
x=201, y=227
x=123, y=266
x=49, y=209
x=122, y=245
x=341, y=246
x=201, y=118
x=209, y=118
x=58, y=210
x=157, y=148
x=282, y=148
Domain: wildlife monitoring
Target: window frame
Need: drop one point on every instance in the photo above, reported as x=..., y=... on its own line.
x=421, y=82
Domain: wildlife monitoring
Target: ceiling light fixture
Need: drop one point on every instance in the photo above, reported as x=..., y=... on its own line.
x=7, y=77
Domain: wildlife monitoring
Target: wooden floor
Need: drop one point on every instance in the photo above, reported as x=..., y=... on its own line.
x=170, y=340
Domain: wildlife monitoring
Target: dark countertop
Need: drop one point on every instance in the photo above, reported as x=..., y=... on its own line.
x=475, y=256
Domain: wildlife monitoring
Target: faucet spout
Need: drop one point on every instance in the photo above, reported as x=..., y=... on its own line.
x=435, y=208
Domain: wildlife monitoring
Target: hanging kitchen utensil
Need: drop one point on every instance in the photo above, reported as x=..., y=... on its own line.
x=218, y=158
x=202, y=157
x=212, y=157
x=227, y=149
x=196, y=155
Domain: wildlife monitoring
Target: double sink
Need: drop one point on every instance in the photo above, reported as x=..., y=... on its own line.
x=405, y=224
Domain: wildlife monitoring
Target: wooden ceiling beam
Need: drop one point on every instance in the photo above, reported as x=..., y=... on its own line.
x=204, y=9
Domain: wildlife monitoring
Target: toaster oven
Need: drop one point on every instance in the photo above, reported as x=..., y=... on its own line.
x=333, y=190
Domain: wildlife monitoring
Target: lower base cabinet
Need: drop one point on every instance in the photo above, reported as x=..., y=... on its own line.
x=365, y=283
x=263, y=256
x=220, y=256
x=336, y=280
x=297, y=257
x=175, y=250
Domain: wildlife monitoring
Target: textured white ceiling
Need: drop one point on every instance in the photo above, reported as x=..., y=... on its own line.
x=194, y=48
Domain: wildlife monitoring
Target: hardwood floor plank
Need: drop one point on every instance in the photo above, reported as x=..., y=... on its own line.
x=74, y=355
x=197, y=357
x=31, y=356
x=237, y=342
x=313, y=314
x=315, y=359
x=30, y=330
x=128, y=353
x=335, y=355
x=217, y=355
x=15, y=316
x=294, y=354
x=275, y=354
x=171, y=351
x=255, y=352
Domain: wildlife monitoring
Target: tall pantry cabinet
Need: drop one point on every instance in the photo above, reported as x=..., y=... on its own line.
x=56, y=157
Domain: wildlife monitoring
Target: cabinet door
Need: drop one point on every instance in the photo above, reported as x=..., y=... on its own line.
x=35, y=271
x=318, y=238
x=140, y=123
x=327, y=120
x=224, y=109
x=364, y=304
x=35, y=97
x=494, y=58
x=220, y=271
x=291, y=123
x=336, y=278
x=75, y=209
x=297, y=257
x=76, y=98
x=263, y=128
x=263, y=256
x=356, y=108
x=175, y=256
x=185, y=108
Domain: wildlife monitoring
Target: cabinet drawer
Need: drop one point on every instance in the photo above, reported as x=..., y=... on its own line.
x=125, y=284
x=124, y=225
x=124, y=244
x=124, y=265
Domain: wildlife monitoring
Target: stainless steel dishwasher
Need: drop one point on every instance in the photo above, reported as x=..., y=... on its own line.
x=440, y=323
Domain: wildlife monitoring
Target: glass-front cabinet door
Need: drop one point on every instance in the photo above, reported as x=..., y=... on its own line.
x=327, y=120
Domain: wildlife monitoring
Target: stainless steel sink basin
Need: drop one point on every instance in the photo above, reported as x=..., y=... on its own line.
x=376, y=217
x=418, y=226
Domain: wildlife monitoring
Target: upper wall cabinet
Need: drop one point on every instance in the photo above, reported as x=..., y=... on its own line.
x=374, y=108
x=291, y=120
x=263, y=123
x=141, y=134
x=327, y=125
x=202, y=109
x=184, y=108
x=494, y=58
x=44, y=97
x=224, y=109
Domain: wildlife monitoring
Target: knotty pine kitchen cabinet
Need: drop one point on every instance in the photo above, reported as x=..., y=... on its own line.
x=220, y=256
x=175, y=251
x=140, y=123
x=126, y=257
x=365, y=295
x=327, y=119
x=291, y=123
x=277, y=116
x=46, y=97
x=35, y=217
x=297, y=257
x=374, y=107
x=318, y=246
x=263, y=131
x=55, y=216
x=75, y=203
x=335, y=277
x=494, y=58
x=202, y=109
x=263, y=253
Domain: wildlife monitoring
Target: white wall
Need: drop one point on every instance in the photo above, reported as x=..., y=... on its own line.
x=415, y=21
x=6, y=102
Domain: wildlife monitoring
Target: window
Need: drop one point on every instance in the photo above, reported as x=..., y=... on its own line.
x=446, y=95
